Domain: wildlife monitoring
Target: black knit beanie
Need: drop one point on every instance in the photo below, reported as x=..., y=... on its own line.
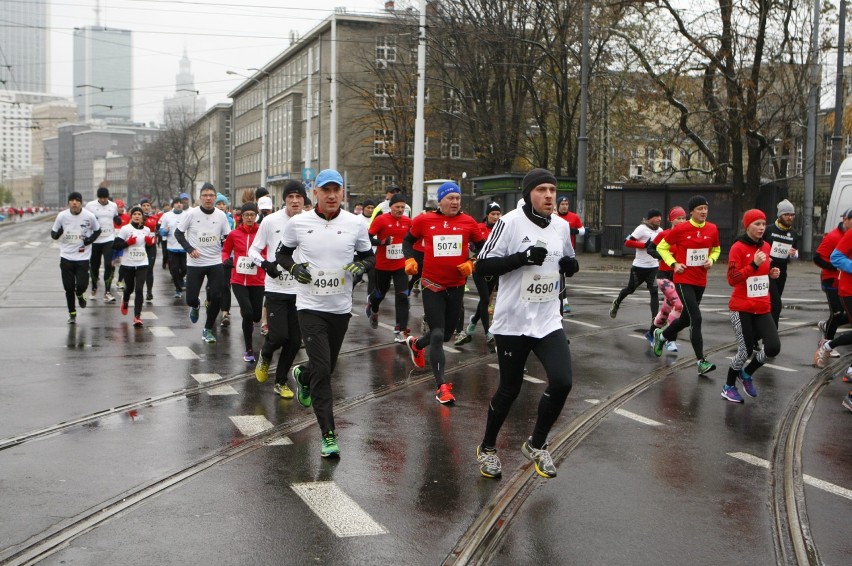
x=535, y=178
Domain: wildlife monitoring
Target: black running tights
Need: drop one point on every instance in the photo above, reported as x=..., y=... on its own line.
x=512, y=352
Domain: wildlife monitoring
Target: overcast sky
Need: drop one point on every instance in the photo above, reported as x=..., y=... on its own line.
x=218, y=35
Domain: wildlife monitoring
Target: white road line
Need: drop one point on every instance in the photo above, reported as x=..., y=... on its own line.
x=337, y=510
x=181, y=352
x=810, y=480
x=629, y=415
x=779, y=368
x=33, y=244
x=249, y=425
x=451, y=350
x=529, y=378
x=146, y=315
x=589, y=324
x=388, y=326
x=4, y=244
x=634, y=335
x=161, y=331
x=220, y=390
x=283, y=441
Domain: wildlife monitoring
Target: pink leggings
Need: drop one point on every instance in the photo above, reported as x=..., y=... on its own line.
x=670, y=307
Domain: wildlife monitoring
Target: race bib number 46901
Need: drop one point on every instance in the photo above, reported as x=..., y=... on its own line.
x=697, y=257
x=539, y=287
x=757, y=286
x=447, y=246
x=327, y=282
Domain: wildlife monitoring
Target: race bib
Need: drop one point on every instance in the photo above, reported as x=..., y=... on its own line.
x=72, y=237
x=208, y=239
x=245, y=266
x=780, y=250
x=394, y=251
x=697, y=257
x=107, y=230
x=136, y=253
x=757, y=286
x=447, y=246
x=539, y=287
x=327, y=282
x=285, y=280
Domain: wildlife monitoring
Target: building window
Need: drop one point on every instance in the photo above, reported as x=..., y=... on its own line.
x=452, y=102
x=385, y=50
x=848, y=145
x=799, y=157
x=385, y=94
x=450, y=147
x=829, y=144
x=383, y=142
x=650, y=157
x=666, y=163
x=382, y=181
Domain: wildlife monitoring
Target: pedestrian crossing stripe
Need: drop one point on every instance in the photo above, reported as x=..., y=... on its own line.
x=337, y=510
x=529, y=378
x=213, y=391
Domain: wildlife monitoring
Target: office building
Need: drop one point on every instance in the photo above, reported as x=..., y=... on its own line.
x=24, y=46
x=103, y=71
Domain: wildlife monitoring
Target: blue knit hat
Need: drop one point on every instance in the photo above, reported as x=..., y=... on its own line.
x=446, y=189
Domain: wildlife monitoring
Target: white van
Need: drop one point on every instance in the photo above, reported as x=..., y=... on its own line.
x=841, y=195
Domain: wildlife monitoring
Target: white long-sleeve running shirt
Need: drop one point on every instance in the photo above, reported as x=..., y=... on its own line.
x=528, y=303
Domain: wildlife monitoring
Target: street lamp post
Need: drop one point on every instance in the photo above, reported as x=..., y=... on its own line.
x=86, y=103
x=263, y=120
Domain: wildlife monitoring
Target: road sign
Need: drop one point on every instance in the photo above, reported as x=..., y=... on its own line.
x=307, y=174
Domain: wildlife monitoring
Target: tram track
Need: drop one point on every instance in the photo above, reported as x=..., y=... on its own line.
x=42, y=545
x=794, y=545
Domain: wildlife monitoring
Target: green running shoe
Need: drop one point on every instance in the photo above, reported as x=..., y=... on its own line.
x=705, y=367
x=659, y=342
x=303, y=392
x=329, y=449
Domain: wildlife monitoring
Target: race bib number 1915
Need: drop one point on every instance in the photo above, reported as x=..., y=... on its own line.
x=697, y=257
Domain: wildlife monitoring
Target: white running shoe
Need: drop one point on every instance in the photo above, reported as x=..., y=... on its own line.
x=108, y=298
x=671, y=346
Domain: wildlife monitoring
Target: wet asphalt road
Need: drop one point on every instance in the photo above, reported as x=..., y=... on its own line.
x=157, y=469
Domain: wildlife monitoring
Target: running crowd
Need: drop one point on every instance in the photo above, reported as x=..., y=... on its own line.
x=293, y=273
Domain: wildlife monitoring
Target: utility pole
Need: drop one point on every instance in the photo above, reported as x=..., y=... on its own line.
x=810, y=144
x=837, y=137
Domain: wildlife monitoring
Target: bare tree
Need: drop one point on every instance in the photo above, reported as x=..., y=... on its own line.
x=171, y=163
x=750, y=64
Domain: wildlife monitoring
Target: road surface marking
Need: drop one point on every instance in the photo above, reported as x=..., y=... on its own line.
x=780, y=368
x=451, y=350
x=161, y=331
x=249, y=425
x=148, y=316
x=337, y=510
x=529, y=378
x=589, y=324
x=4, y=244
x=634, y=335
x=220, y=390
x=810, y=480
x=629, y=415
x=181, y=352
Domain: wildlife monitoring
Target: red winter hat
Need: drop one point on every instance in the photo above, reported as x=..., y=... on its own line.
x=751, y=216
x=676, y=212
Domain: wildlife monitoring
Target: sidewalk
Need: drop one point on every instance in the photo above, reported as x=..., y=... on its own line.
x=596, y=262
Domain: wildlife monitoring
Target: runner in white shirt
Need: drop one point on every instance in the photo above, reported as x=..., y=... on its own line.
x=106, y=212
x=200, y=232
x=327, y=238
x=78, y=229
x=134, y=238
x=644, y=269
x=530, y=250
x=281, y=314
x=177, y=255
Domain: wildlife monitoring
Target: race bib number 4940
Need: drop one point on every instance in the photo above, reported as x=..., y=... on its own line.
x=447, y=245
x=697, y=257
x=327, y=282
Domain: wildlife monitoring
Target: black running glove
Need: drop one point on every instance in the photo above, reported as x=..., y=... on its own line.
x=300, y=273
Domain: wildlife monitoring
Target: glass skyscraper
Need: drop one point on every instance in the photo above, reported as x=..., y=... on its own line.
x=23, y=46
x=103, y=73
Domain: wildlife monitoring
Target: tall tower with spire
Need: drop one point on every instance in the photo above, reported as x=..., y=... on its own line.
x=185, y=105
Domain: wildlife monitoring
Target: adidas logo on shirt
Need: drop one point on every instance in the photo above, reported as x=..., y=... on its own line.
x=526, y=240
